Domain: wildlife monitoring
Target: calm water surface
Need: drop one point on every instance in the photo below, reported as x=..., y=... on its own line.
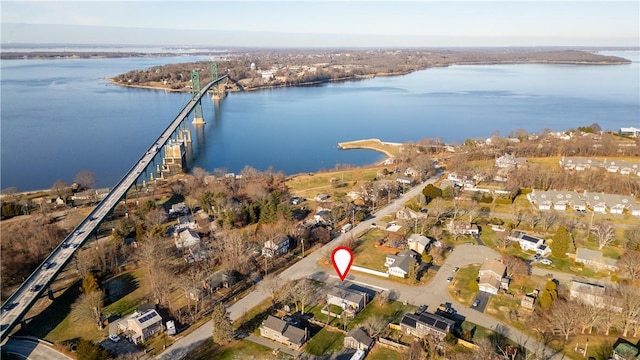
x=59, y=117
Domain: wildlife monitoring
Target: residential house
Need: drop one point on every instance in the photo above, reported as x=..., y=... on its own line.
x=358, y=339
x=594, y=258
x=400, y=264
x=557, y=200
x=528, y=301
x=493, y=276
x=277, y=246
x=629, y=131
x=349, y=300
x=178, y=209
x=321, y=197
x=418, y=243
x=186, y=239
x=625, y=351
x=411, y=172
x=139, y=326
x=579, y=163
x=90, y=195
x=463, y=228
x=507, y=161
x=279, y=330
x=219, y=279
x=594, y=295
x=426, y=323
x=186, y=222
x=405, y=180
x=530, y=243
x=323, y=216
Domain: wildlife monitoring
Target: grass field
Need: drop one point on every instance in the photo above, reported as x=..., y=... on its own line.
x=325, y=343
x=310, y=185
x=366, y=254
x=460, y=288
x=239, y=349
x=392, y=312
x=383, y=353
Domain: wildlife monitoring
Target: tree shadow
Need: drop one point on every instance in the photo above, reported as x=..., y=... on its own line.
x=118, y=287
x=41, y=324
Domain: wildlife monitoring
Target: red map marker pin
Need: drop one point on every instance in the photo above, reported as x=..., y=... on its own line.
x=342, y=258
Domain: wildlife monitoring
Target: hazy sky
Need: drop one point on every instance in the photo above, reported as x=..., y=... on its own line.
x=324, y=23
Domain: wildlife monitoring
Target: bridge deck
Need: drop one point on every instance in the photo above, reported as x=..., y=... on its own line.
x=27, y=295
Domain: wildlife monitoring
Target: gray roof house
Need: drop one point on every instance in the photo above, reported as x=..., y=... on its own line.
x=492, y=276
x=400, y=264
x=358, y=339
x=594, y=258
x=279, y=330
x=351, y=301
x=418, y=243
x=426, y=323
x=139, y=326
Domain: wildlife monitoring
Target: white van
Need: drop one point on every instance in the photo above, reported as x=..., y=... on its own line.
x=346, y=227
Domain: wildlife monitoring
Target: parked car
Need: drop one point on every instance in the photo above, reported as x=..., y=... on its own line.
x=546, y=262
x=449, y=278
x=114, y=338
x=476, y=302
x=36, y=287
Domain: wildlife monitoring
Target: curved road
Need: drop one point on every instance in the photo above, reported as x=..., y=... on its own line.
x=432, y=294
x=32, y=350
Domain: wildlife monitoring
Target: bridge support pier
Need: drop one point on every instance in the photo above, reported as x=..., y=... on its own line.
x=50, y=293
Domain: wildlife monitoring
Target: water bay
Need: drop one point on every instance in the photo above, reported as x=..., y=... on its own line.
x=59, y=117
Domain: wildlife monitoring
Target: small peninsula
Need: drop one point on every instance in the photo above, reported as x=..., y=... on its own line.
x=259, y=69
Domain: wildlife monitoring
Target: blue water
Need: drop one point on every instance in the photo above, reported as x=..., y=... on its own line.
x=59, y=117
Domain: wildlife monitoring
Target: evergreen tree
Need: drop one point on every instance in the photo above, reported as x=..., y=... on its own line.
x=560, y=244
x=431, y=192
x=223, y=332
x=86, y=350
x=89, y=284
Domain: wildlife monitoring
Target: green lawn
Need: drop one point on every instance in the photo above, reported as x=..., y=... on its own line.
x=392, y=312
x=366, y=254
x=239, y=349
x=325, y=343
x=55, y=323
x=461, y=286
x=383, y=353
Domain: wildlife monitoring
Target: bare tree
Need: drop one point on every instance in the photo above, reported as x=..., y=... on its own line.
x=589, y=316
x=277, y=288
x=605, y=234
x=632, y=237
x=86, y=179
x=303, y=292
x=234, y=251
x=155, y=217
x=502, y=239
x=374, y=325
x=415, y=352
x=629, y=262
x=89, y=307
x=547, y=219
x=61, y=188
x=629, y=297
x=515, y=266
x=562, y=318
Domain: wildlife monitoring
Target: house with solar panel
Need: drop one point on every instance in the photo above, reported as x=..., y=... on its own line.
x=139, y=326
x=426, y=324
x=528, y=242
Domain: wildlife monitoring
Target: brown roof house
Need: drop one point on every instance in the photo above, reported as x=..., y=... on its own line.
x=281, y=331
x=358, y=339
x=493, y=276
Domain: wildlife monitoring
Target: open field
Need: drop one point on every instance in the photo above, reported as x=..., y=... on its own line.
x=332, y=183
x=239, y=349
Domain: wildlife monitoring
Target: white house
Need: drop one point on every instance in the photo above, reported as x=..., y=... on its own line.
x=276, y=246
x=629, y=131
x=139, y=326
x=400, y=264
x=507, y=161
x=492, y=276
x=530, y=243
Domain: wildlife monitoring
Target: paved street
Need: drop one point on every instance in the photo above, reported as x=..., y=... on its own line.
x=32, y=349
x=432, y=294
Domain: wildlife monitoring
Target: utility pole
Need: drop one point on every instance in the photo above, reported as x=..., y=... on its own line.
x=302, y=241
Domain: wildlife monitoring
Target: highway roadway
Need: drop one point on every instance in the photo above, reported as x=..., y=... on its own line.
x=32, y=288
